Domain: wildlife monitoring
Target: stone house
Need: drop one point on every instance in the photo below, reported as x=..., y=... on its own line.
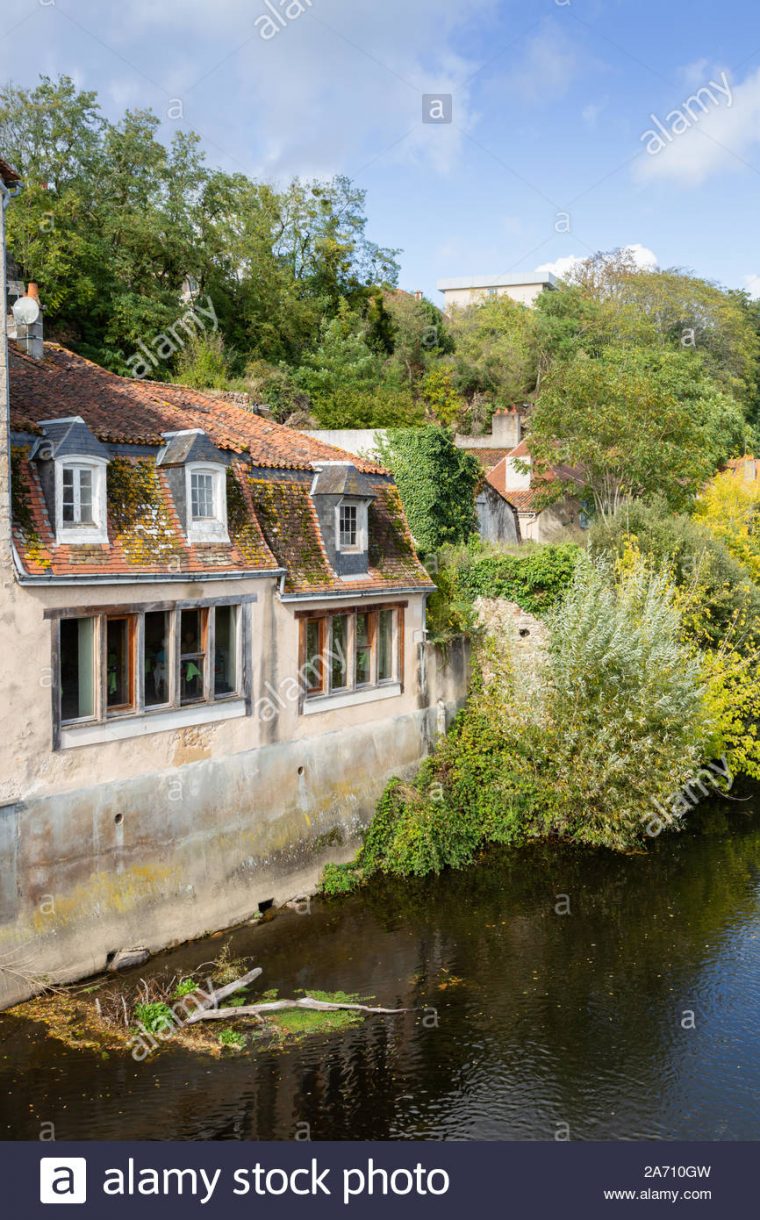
x=213, y=657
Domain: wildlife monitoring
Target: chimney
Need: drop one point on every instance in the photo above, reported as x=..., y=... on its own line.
x=506, y=428
x=27, y=312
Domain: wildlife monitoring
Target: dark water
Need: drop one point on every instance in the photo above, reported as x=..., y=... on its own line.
x=543, y=1019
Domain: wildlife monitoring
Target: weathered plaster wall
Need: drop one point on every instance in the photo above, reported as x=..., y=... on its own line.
x=161, y=838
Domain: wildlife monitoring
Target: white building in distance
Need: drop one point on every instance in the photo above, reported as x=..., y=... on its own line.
x=472, y=290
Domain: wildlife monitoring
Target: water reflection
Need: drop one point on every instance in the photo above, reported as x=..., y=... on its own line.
x=529, y=1023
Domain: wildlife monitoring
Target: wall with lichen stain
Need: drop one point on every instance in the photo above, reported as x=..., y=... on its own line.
x=156, y=839
x=171, y=855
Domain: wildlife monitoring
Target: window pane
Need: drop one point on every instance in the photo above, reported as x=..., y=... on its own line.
x=118, y=663
x=193, y=655
x=385, y=646
x=77, y=668
x=338, y=652
x=313, y=671
x=202, y=494
x=68, y=495
x=85, y=496
x=348, y=525
x=362, y=650
x=155, y=655
x=225, y=644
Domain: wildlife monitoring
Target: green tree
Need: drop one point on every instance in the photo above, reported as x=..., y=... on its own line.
x=632, y=423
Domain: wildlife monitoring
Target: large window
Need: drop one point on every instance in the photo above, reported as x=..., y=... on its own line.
x=116, y=664
x=351, y=651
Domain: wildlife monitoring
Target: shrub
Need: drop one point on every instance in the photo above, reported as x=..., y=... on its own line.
x=232, y=1038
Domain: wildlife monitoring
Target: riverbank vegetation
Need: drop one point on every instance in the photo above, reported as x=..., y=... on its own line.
x=641, y=689
x=211, y=1011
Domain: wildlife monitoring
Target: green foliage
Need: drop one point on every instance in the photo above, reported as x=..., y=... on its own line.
x=437, y=483
x=536, y=577
x=203, y=363
x=185, y=987
x=155, y=1016
x=632, y=423
x=229, y=1037
x=714, y=589
x=576, y=741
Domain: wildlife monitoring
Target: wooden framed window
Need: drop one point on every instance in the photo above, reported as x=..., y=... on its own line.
x=125, y=662
x=351, y=650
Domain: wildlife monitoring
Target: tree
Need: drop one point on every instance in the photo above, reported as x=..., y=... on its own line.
x=495, y=350
x=437, y=483
x=729, y=507
x=632, y=423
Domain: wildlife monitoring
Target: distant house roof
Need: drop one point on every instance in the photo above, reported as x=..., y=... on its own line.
x=8, y=173
x=524, y=499
x=544, y=278
x=487, y=457
x=272, y=522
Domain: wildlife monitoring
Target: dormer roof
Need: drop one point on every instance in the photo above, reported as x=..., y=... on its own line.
x=189, y=445
x=341, y=479
x=68, y=437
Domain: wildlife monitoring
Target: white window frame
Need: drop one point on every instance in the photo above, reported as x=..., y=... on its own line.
x=362, y=529
x=67, y=532
x=207, y=529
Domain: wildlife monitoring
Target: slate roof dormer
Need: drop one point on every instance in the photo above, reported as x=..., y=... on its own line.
x=342, y=496
x=197, y=475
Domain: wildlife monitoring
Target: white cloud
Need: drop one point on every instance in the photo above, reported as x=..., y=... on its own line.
x=642, y=256
x=547, y=68
x=722, y=139
x=338, y=87
x=752, y=285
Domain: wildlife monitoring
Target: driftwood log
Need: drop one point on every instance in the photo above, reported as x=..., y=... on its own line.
x=261, y=1010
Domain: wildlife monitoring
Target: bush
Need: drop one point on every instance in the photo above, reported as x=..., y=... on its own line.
x=612, y=720
x=537, y=578
x=155, y=1016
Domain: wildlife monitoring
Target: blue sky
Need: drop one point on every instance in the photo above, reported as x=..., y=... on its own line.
x=546, y=158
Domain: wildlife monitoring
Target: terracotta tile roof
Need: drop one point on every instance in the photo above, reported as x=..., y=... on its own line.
x=8, y=173
x=123, y=410
x=291, y=528
x=271, y=517
x=524, y=499
x=145, y=535
x=488, y=458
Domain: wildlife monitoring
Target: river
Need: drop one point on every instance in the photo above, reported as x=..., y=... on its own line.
x=558, y=993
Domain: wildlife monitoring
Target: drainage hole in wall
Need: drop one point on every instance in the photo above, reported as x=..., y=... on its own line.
x=523, y=632
x=300, y=770
x=119, y=819
x=266, y=905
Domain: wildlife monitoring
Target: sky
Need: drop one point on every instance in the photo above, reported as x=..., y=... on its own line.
x=563, y=126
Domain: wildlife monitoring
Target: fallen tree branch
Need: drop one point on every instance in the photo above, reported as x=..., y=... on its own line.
x=223, y=992
x=257, y=1010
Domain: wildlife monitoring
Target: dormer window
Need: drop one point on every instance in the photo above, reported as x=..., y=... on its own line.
x=72, y=464
x=348, y=530
x=352, y=526
x=202, y=495
x=197, y=475
x=80, y=500
x=207, y=503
